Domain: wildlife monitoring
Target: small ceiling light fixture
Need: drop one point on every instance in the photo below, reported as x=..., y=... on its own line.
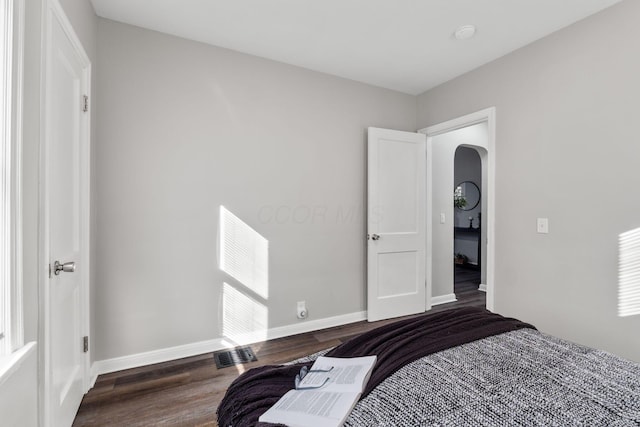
x=465, y=32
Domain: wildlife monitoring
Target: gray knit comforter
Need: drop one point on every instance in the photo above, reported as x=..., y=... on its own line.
x=519, y=378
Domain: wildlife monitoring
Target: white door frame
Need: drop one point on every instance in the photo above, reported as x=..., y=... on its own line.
x=487, y=115
x=52, y=10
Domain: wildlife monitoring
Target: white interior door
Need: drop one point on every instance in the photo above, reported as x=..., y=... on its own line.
x=65, y=235
x=396, y=223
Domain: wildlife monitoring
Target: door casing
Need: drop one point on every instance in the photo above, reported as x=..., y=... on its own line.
x=487, y=115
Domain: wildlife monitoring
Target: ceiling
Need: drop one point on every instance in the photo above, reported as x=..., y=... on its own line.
x=405, y=45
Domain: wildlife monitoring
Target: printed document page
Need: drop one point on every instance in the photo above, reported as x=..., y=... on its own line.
x=325, y=396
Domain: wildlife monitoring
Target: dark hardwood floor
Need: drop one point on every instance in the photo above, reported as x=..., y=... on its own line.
x=466, y=281
x=186, y=392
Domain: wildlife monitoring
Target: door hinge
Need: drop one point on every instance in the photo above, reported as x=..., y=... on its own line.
x=49, y=271
x=85, y=343
x=85, y=103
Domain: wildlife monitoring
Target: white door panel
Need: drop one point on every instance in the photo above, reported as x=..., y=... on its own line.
x=397, y=186
x=397, y=274
x=65, y=224
x=396, y=223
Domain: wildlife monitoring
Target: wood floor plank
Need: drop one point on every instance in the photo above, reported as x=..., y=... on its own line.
x=186, y=392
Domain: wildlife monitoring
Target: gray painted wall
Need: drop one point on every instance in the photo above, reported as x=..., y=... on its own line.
x=184, y=128
x=566, y=149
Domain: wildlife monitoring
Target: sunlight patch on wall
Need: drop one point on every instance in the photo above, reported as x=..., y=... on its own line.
x=245, y=320
x=629, y=273
x=244, y=253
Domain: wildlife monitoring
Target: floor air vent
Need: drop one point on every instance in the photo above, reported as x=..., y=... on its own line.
x=236, y=356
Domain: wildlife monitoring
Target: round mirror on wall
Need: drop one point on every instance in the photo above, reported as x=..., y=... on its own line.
x=466, y=196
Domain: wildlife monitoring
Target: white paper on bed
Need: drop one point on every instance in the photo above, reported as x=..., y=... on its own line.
x=329, y=405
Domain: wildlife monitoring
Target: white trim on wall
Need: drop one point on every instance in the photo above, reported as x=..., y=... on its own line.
x=443, y=299
x=6, y=193
x=17, y=299
x=14, y=361
x=11, y=81
x=487, y=115
x=178, y=352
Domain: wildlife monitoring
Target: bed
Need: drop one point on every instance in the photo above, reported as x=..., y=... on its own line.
x=463, y=367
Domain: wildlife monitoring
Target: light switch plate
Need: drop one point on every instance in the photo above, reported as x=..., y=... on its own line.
x=543, y=225
x=442, y=218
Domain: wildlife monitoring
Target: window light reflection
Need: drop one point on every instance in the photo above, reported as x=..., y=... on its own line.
x=244, y=253
x=629, y=273
x=245, y=320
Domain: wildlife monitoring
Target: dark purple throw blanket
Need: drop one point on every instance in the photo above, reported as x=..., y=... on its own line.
x=395, y=344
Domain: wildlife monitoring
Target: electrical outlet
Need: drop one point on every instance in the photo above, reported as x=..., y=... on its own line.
x=302, y=310
x=543, y=225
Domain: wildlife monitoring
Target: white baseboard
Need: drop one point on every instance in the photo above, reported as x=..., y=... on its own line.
x=93, y=377
x=443, y=299
x=100, y=367
x=314, y=325
x=482, y=287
